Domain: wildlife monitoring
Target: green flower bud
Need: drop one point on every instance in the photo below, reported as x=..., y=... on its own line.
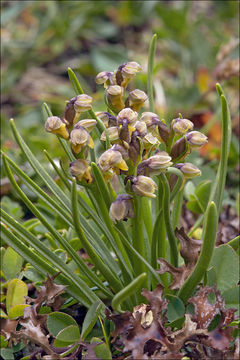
x=56, y=126
x=136, y=99
x=107, y=119
x=114, y=95
x=189, y=170
x=144, y=186
x=112, y=159
x=121, y=208
x=88, y=124
x=112, y=133
x=80, y=169
x=83, y=103
x=181, y=126
x=128, y=114
x=196, y=139
x=80, y=138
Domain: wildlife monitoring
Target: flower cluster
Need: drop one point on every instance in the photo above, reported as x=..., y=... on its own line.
x=134, y=139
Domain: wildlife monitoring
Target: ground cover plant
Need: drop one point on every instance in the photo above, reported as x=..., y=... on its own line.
x=102, y=268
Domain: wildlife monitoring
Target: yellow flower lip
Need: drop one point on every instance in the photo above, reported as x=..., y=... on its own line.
x=81, y=170
x=112, y=159
x=79, y=138
x=56, y=126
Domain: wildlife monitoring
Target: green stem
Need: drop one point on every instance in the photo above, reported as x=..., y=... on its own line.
x=151, y=53
x=147, y=217
x=170, y=233
x=177, y=208
x=130, y=289
x=209, y=238
x=179, y=182
x=137, y=235
x=107, y=273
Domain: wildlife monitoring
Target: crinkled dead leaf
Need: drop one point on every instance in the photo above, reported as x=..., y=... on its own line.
x=7, y=326
x=179, y=274
x=190, y=248
x=50, y=294
x=156, y=302
x=204, y=311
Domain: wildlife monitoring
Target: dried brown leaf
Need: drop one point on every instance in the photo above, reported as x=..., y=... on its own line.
x=190, y=248
x=179, y=274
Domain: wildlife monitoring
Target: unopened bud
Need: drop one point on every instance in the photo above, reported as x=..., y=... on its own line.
x=112, y=133
x=181, y=126
x=80, y=138
x=114, y=95
x=196, y=139
x=88, y=124
x=163, y=131
x=134, y=148
x=127, y=114
x=83, y=103
x=179, y=149
x=122, y=208
x=144, y=186
x=80, y=169
x=108, y=119
x=189, y=170
x=136, y=99
x=111, y=159
x=124, y=133
x=56, y=126
x=70, y=113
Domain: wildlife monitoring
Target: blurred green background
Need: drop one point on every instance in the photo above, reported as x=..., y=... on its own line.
x=197, y=46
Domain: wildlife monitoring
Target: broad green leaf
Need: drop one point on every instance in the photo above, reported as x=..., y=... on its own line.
x=175, y=309
x=231, y=297
x=189, y=189
x=16, y=311
x=3, y=342
x=193, y=205
x=57, y=321
x=202, y=193
x=16, y=292
x=7, y=354
x=90, y=319
x=69, y=335
x=225, y=263
x=12, y=263
x=33, y=274
x=102, y=351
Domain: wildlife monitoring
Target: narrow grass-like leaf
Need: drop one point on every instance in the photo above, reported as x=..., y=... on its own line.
x=209, y=238
x=42, y=266
x=101, y=184
x=151, y=53
x=78, y=260
x=60, y=195
x=166, y=211
x=108, y=275
x=130, y=289
x=219, y=184
x=49, y=201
